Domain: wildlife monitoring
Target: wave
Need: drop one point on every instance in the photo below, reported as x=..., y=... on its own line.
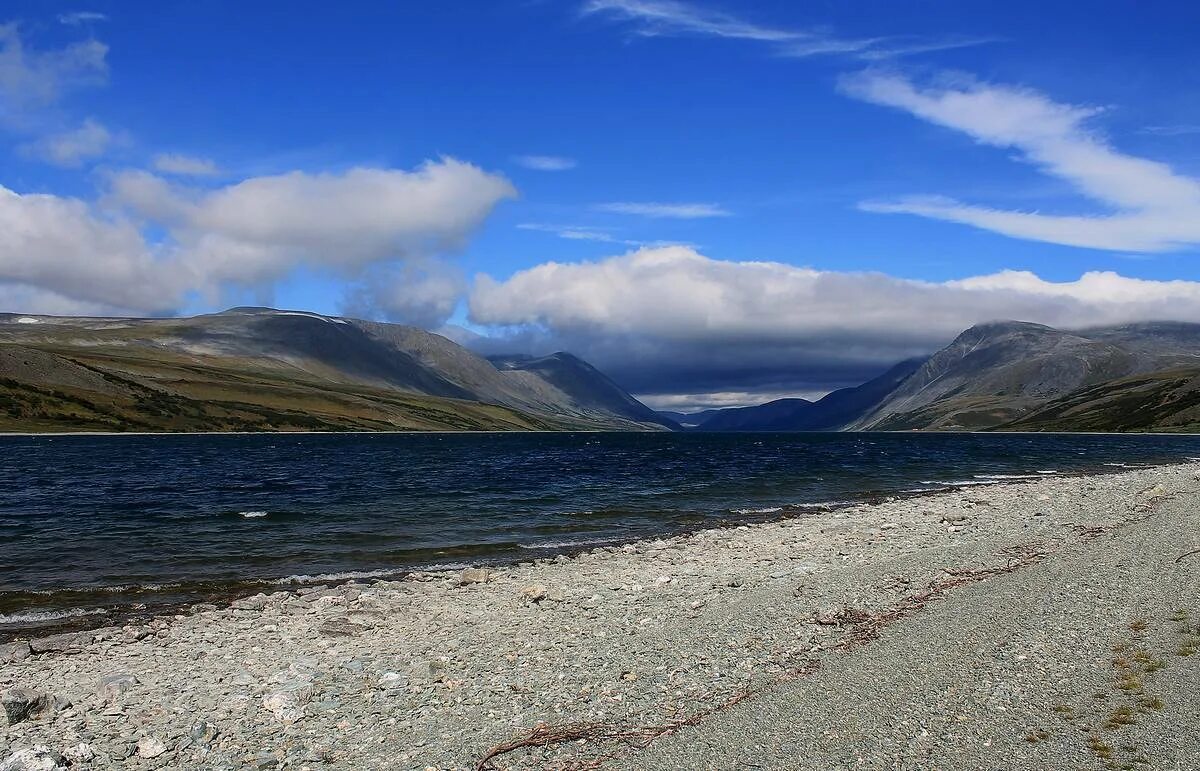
x=1048, y=471
x=765, y=510
x=33, y=616
x=351, y=575
x=1006, y=476
x=252, y=514
x=960, y=482
x=570, y=542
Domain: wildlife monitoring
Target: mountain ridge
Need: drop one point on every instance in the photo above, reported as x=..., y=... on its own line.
x=252, y=368
x=1014, y=375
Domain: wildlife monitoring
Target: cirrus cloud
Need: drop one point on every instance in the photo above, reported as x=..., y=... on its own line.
x=1148, y=207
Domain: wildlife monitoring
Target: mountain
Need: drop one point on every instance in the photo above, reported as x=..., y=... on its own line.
x=262, y=369
x=590, y=389
x=1000, y=375
x=829, y=413
x=689, y=419
x=1014, y=376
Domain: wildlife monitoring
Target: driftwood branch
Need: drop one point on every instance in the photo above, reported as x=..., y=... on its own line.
x=544, y=735
x=864, y=626
x=1186, y=554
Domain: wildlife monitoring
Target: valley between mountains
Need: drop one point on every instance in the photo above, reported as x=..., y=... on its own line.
x=259, y=369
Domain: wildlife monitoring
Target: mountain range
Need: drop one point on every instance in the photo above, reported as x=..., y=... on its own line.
x=256, y=369
x=260, y=369
x=1013, y=376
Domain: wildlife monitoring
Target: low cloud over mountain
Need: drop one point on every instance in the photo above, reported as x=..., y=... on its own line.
x=669, y=321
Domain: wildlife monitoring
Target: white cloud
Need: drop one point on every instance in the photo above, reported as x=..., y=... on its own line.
x=571, y=232
x=685, y=211
x=421, y=292
x=651, y=18
x=61, y=247
x=546, y=162
x=670, y=320
x=716, y=400
x=1148, y=206
x=371, y=226
x=1175, y=130
x=261, y=228
x=30, y=79
x=184, y=165
x=71, y=148
x=77, y=18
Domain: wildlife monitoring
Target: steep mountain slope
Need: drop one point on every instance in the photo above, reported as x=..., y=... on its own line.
x=262, y=369
x=1001, y=373
x=590, y=390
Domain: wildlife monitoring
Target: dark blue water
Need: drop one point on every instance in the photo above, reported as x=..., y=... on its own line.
x=121, y=522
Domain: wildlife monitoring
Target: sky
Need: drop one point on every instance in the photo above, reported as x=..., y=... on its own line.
x=716, y=203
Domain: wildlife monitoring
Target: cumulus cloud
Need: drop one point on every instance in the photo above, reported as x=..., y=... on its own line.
x=70, y=149
x=669, y=320
x=1148, y=207
x=32, y=79
x=652, y=18
x=184, y=165
x=546, y=162
x=684, y=211
x=259, y=229
x=366, y=225
x=54, y=247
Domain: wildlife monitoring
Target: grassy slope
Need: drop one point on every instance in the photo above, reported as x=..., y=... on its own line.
x=1159, y=401
x=114, y=389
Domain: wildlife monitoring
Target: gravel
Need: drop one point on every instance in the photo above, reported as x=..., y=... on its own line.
x=814, y=618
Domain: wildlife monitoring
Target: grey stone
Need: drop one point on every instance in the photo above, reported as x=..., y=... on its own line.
x=255, y=602
x=340, y=627
x=60, y=643
x=14, y=652
x=114, y=685
x=25, y=704
x=474, y=576
x=203, y=732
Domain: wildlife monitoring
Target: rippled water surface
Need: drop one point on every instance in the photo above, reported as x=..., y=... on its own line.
x=101, y=524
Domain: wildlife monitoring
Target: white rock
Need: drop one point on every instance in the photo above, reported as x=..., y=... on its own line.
x=392, y=680
x=36, y=758
x=150, y=747
x=79, y=753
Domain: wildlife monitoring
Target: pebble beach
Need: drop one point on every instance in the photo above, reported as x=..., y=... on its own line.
x=974, y=628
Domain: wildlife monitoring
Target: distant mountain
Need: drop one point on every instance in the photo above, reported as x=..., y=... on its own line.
x=264, y=369
x=777, y=415
x=689, y=419
x=1001, y=375
x=829, y=413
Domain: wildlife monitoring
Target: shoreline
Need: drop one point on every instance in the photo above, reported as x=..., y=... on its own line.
x=436, y=669
x=98, y=616
x=32, y=434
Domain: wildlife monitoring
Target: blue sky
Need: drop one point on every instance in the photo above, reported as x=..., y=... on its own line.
x=655, y=151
